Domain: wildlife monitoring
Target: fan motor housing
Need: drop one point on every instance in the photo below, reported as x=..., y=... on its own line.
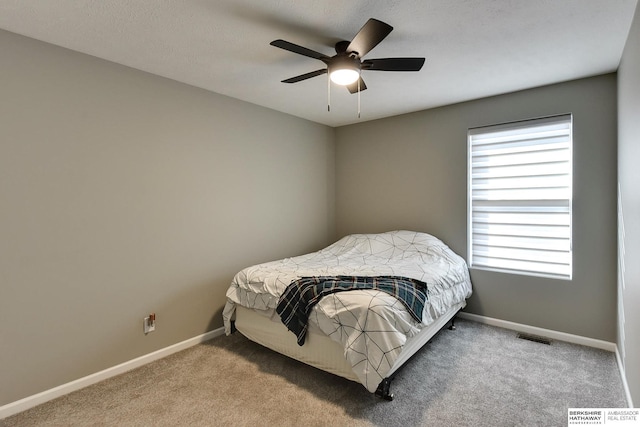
x=341, y=47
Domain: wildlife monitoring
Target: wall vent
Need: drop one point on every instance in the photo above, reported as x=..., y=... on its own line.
x=534, y=338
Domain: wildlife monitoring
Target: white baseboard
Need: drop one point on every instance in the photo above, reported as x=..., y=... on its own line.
x=547, y=333
x=37, y=399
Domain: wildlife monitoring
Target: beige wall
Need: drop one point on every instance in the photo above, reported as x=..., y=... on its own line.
x=124, y=193
x=410, y=172
x=629, y=177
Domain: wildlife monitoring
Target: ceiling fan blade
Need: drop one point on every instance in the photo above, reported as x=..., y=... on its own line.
x=306, y=76
x=353, y=87
x=393, y=64
x=372, y=33
x=291, y=47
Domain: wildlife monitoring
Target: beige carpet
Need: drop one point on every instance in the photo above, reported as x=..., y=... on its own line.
x=477, y=375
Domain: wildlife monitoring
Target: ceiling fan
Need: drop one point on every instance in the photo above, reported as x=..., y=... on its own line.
x=345, y=66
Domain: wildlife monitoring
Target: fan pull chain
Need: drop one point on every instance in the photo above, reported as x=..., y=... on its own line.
x=358, y=98
x=328, y=93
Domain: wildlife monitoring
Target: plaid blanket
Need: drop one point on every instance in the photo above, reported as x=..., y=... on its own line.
x=301, y=295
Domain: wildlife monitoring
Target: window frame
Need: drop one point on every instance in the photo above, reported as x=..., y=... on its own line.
x=515, y=127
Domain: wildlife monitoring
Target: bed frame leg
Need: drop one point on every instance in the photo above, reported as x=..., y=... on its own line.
x=383, y=390
x=452, y=327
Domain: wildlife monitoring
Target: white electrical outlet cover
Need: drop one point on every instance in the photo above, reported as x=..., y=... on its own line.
x=148, y=326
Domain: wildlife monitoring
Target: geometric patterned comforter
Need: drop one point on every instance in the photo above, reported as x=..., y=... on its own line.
x=372, y=326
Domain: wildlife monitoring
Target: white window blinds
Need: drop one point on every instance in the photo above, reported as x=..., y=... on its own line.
x=520, y=197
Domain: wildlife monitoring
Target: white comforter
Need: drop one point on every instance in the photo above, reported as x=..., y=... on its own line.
x=371, y=325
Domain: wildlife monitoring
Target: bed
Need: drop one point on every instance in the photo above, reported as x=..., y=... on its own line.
x=365, y=334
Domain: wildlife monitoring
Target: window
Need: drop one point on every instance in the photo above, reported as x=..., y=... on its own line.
x=520, y=197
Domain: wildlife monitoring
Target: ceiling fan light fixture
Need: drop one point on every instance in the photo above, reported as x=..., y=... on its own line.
x=344, y=70
x=344, y=76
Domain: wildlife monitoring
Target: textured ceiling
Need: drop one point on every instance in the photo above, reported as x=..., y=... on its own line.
x=474, y=48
